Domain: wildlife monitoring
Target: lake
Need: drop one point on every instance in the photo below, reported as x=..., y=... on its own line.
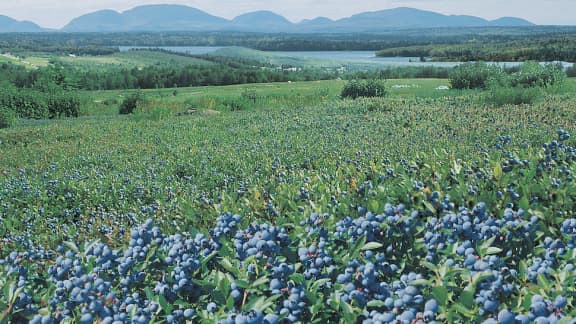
x=358, y=57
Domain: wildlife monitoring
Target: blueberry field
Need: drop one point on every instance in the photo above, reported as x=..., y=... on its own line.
x=391, y=210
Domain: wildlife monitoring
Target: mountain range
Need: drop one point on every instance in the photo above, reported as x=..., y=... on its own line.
x=9, y=25
x=184, y=18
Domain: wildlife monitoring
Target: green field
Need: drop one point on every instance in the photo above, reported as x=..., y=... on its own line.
x=293, y=94
x=30, y=62
x=131, y=59
x=284, y=203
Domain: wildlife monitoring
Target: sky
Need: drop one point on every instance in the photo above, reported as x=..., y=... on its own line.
x=57, y=13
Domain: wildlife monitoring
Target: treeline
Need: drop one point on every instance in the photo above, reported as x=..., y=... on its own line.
x=558, y=48
x=393, y=40
x=34, y=43
x=521, y=85
x=164, y=76
x=37, y=103
x=404, y=72
x=222, y=71
x=49, y=96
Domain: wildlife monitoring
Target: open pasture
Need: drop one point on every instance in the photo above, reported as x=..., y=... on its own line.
x=258, y=96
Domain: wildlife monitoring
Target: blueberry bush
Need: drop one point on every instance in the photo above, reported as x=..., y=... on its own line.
x=433, y=211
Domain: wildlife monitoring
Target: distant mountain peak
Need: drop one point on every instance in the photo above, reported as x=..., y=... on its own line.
x=160, y=17
x=175, y=17
x=511, y=21
x=10, y=25
x=261, y=21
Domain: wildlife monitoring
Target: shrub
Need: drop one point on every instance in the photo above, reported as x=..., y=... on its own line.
x=63, y=104
x=533, y=74
x=40, y=102
x=473, y=75
x=364, y=88
x=238, y=104
x=7, y=117
x=25, y=103
x=130, y=103
x=500, y=96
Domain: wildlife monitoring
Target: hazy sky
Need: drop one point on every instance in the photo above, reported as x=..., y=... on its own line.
x=57, y=13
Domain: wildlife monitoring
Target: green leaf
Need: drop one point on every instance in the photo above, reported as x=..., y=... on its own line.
x=208, y=258
x=481, y=276
x=226, y=264
x=463, y=310
x=316, y=309
x=440, y=294
x=467, y=298
x=230, y=303
x=347, y=311
x=44, y=311
x=263, y=303
x=522, y=269
x=242, y=284
x=373, y=205
x=524, y=203
x=498, y=171
x=298, y=278
x=375, y=303
x=356, y=246
x=218, y=297
x=488, y=243
x=318, y=283
x=181, y=303
x=149, y=294
x=419, y=282
x=335, y=301
x=72, y=246
x=260, y=281
x=493, y=250
x=166, y=307
x=223, y=283
x=430, y=266
x=544, y=282
x=429, y=206
x=371, y=246
x=457, y=167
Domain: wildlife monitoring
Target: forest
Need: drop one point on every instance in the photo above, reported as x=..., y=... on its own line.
x=548, y=43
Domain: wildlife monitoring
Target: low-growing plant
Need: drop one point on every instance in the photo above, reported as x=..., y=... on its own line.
x=130, y=103
x=501, y=96
x=364, y=88
x=238, y=104
x=7, y=117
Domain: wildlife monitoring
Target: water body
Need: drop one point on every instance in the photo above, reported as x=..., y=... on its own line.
x=357, y=57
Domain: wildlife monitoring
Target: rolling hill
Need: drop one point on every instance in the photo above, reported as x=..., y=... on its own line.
x=184, y=18
x=164, y=18
x=147, y=18
x=9, y=25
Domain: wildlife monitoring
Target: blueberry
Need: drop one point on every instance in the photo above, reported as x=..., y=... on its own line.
x=87, y=318
x=211, y=307
x=188, y=313
x=506, y=317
